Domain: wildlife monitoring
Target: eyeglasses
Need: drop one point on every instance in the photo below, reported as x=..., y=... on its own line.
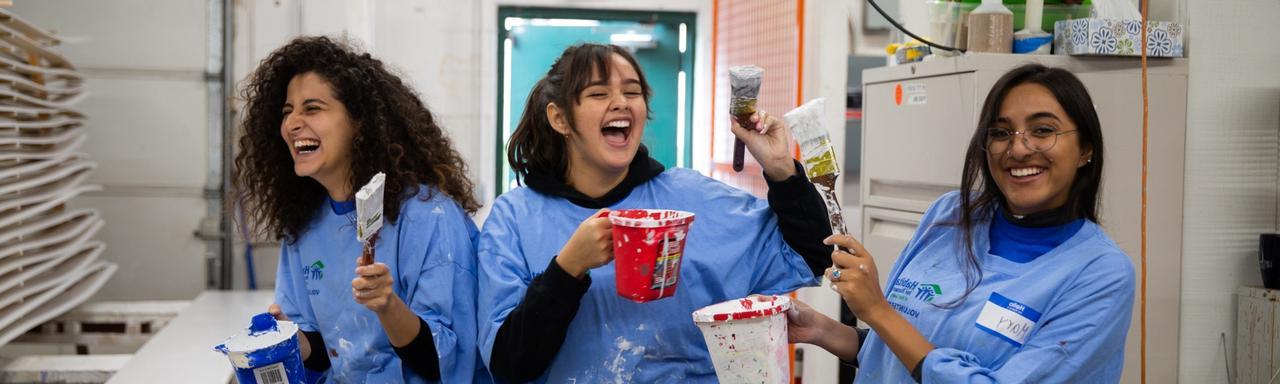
x=1038, y=139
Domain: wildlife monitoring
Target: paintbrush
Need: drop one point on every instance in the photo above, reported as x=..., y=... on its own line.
x=744, y=81
x=369, y=216
x=818, y=156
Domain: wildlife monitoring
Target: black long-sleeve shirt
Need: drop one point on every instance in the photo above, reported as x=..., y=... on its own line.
x=534, y=331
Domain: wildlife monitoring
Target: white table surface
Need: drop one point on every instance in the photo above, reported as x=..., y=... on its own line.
x=183, y=350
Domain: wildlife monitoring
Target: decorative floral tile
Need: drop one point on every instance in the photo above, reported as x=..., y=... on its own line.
x=1107, y=37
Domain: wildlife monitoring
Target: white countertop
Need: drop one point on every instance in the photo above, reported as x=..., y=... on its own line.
x=183, y=350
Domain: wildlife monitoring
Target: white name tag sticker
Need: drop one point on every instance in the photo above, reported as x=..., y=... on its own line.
x=1009, y=320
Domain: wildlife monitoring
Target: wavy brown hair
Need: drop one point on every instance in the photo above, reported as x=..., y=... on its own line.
x=395, y=134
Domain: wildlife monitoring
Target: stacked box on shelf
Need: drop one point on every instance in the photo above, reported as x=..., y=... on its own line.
x=49, y=263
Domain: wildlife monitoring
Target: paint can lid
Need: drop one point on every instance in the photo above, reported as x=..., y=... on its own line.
x=258, y=336
x=742, y=309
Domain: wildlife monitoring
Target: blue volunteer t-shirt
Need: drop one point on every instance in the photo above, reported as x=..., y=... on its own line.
x=1058, y=317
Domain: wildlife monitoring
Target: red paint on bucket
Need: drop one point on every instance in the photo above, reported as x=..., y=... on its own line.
x=648, y=246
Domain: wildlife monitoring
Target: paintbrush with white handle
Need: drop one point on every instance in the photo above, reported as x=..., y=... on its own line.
x=819, y=157
x=369, y=216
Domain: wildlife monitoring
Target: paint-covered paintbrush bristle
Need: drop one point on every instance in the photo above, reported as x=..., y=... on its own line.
x=816, y=152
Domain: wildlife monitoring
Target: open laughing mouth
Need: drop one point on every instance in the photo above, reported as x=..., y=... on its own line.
x=306, y=146
x=616, y=132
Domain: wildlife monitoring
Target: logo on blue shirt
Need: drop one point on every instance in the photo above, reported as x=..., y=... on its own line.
x=905, y=290
x=315, y=271
x=926, y=292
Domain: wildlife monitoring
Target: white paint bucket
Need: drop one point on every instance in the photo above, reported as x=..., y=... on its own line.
x=747, y=339
x=265, y=353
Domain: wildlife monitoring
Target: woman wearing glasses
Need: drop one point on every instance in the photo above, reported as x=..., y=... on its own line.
x=1009, y=279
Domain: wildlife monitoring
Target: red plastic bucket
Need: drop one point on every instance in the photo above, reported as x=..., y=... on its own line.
x=648, y=245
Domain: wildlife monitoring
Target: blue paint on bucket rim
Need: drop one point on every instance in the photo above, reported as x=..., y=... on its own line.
x=265, y=349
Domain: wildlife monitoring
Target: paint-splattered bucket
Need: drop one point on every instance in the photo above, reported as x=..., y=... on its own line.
x=265, y=353
x=648, y=245
x=747, y=339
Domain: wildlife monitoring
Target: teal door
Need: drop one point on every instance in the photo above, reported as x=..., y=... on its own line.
x=530, y=40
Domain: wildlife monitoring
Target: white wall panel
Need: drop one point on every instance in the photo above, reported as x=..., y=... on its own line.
x=126, y=34
x=1231, y=185
x=147, y=132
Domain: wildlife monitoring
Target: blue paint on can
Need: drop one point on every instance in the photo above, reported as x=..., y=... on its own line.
x=265, y=353
x=262, y=323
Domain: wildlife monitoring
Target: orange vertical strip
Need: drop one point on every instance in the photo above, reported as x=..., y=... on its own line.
x=1145, y=137
x=799, y=61
x=715, y=43
x=799, y=100
x=800, y=52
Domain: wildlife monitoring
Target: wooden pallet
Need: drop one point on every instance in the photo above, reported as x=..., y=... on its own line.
x=10, y=95
x=70, y=292
x=121, y=324
x=62, y=368
x=31, y=31
x=48, y=260
x=36, y=263
x=51, y=136
x=43, y=223
x=24, y=84
x=63, y=268
x=66, y=168
x=8, y=62
x=18, y=169
x=79, y=229
x=25, y=45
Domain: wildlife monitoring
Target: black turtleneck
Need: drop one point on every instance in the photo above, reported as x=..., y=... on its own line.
x=533, y=332
x=642, y=169
x=1050, y=218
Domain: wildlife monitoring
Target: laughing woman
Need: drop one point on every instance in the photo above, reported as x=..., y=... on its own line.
x=548, y=303
x=321, y=120
x=1009, y=280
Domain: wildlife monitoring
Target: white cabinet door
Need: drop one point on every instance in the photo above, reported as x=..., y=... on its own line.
x=915, y=133
x=885, y=232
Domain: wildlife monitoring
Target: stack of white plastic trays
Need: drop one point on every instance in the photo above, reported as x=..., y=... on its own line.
x=49, y=262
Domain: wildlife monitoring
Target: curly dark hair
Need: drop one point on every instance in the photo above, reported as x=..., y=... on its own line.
x=395, y=134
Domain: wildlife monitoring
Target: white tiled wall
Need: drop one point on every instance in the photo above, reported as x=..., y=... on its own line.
x=1233, y=119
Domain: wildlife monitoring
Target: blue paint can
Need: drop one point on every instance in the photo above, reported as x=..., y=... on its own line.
x=265, y=353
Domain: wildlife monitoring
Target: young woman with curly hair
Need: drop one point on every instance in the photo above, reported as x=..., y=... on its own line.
x=320, y=120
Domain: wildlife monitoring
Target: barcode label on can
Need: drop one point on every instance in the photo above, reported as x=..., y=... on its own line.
x=271, y=374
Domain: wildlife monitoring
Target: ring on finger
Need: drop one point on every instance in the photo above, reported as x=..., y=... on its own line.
x=835, y=274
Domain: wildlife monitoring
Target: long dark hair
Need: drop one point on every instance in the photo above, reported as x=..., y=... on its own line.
x=535, y=145
x=1082, y=199
x=395, y=134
